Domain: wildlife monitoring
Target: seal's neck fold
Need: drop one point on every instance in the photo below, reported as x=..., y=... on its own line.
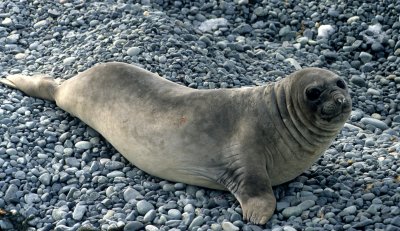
x=302, y=127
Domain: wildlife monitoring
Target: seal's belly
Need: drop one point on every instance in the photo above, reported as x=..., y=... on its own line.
x=161, y=143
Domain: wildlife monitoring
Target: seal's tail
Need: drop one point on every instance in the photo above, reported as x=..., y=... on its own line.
x=43, y=87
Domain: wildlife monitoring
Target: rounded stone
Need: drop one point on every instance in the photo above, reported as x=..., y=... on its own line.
x=45, y=179
x=374, y=122
x=292, y=211
x=143, y=207
x=79, y=212
x=83, y=145
x=131, y=194
x=69, y=61
x=133, y=226
x=133, y=51
x=174, y=214
x=227, y=226
x=151, y=228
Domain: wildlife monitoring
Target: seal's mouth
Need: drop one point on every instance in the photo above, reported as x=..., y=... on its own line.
x=329, y=117
x=338, y=107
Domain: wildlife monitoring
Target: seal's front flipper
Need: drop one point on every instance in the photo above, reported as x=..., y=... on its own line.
x=38, y=86
x=257, y=209
x=252, y=188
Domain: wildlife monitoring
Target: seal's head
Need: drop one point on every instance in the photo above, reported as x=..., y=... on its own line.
x=324, y=95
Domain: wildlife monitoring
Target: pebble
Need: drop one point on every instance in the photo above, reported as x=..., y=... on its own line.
x=348, y=211
x=288, y=228
x=353, y=19
x=292, y=211
x=7, y=22
x=174, y=214
x=143, y=207
x=131, y=194
x=149, y=216
x=133, y=51
x=115, y=174
x=212, y=24
x=79, y=212
x=359, y=81
x=227, y=226
x=39, y=24
x=294, y=63
x=325, y=31
x=374, y=122
x=368, y=196
x=59, y=213
x=31, y=198
x=69, y=61
x=365, y=57
x=133, y=226
x=11, y=195
x=83, y=145
x=306, y=204
x=198, y=221
x=72, y=162
x=151, y=228
x=20, y=175
x=373, y=91
x=45, y=179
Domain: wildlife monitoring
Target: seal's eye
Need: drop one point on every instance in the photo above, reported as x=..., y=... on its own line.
x=340, y=83
x=313, y=93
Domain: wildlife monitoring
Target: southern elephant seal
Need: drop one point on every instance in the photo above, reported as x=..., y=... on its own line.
x=241, y=140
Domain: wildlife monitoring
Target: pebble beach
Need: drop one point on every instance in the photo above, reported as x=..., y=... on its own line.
x=56, y=173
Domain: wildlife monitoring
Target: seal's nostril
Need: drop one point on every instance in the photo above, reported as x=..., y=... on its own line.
x=340, y=100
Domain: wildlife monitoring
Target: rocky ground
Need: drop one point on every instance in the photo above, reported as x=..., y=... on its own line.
x=58, y=174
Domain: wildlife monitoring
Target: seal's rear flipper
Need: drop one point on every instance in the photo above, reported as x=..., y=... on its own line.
x=8, y=83
x=38, y=86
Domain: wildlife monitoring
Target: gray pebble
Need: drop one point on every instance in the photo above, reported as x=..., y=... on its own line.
x=374, y=122
x=306, y=204
x=31, y=198
x=143, y=207
x=83, y=145
x=20, y=175
x=45, y=179
x=59, y=213
x=348, y=211
x=11, y=151
x=133, y=226
x=113, y=165
x=369, y=142
x=133, y=51
x=288, y=228
x=227, y=226
x=79, y=211
x=73, y=162
x=174, y=214
x=11, y=195
x=198, y=221
x=114, y=174
x=365, y=57
x=373, y=92
x=54, y=12
x=358, y=80
x=7, y=22
x=149, y=216
x=151, y=228
x=39, y=24
x=131, y=194
x=292, y=211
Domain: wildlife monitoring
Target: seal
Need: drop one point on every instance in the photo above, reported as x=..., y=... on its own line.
x=244, y=140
